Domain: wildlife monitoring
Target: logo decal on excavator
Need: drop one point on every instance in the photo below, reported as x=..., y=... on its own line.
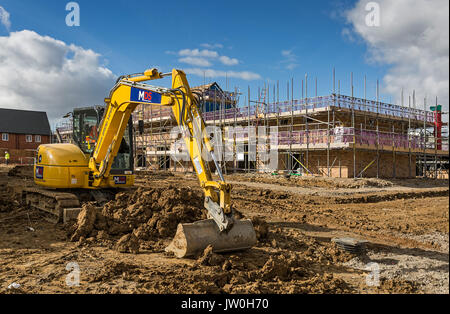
x=120, y=180
x=141, y=95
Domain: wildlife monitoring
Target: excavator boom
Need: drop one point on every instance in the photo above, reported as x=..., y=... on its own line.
x=68, y=166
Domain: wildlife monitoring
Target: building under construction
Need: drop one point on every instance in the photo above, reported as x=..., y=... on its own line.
x=334, y=135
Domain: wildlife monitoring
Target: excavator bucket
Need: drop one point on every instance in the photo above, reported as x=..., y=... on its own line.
x=192, y=238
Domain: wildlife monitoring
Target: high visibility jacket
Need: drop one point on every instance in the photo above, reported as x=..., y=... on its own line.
x=6, y=156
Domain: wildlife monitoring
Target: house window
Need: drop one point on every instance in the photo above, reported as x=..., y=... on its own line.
x=29, y=138
x=5, y=137
x=38, y=138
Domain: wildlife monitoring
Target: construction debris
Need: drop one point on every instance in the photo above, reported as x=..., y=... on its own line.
x=351, y=245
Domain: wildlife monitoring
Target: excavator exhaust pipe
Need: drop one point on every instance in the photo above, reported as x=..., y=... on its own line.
x=192, y=238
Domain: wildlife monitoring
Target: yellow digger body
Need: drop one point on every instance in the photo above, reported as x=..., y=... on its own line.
x=65, y=166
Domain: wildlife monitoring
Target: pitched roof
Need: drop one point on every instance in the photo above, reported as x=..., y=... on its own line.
x=24, y=122
x=210, y=86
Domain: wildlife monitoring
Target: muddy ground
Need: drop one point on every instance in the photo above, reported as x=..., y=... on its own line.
x=119, y=247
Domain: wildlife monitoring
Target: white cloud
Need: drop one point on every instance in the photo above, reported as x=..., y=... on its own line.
x=228, y=61
x=212, y=46
x=207, y=58
x=201, y=62
x=4, y=18
x=244, y=75
x=42, y=73
x=198, y=53
x=202, y=58
x=287, y=53
x=413, y=38
x=289, y=59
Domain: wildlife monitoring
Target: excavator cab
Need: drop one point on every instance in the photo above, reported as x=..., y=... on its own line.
x=86, y=123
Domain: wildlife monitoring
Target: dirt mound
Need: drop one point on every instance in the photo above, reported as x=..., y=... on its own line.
x=261, y=228
x=279, y=268
x=146, y=214
x=85, y=222
x=397, y=286
x=320, y=182
x=7, y=204
x=252, y=272
x=339, y=183
x=210, y=258
x=129, y=243
x=21, y=172
x=114, y=269
x=284, y=273
x=390, y=196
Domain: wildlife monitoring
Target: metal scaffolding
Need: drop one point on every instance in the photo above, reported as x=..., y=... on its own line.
x=333, y=135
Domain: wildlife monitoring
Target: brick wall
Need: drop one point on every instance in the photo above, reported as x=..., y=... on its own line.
x=19, y=149
x=343, y=164
x=18, y=141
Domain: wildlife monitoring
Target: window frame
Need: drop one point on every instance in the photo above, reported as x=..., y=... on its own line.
x=5, y=135
x=29, y=137
x=38, y=139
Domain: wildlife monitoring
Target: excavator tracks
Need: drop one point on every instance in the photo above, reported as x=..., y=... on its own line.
x=58, y=206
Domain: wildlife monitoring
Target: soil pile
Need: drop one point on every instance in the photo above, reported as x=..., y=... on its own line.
x=7, y=202
x=114, y=269
x=146, y=214
x=21, y=171
x=247, y=273
x=209, y=258
x=320, y=182
x=261, y=228
x=6, y=205
x=397, y=286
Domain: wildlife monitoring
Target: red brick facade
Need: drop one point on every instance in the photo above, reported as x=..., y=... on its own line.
x=19, y=149
x=19, y=141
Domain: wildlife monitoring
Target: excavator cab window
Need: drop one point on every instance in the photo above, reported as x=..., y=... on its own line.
x=86, y=125
x=85, y=128
x=124, y=159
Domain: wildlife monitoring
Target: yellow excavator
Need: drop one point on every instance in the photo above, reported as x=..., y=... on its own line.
x=101, y=160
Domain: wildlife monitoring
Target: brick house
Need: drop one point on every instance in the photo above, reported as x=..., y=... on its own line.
x=21, y=132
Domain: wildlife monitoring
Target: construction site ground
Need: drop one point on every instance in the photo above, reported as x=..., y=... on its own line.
x=120, y=248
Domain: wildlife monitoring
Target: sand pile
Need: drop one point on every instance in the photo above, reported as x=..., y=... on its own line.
x=146, y=214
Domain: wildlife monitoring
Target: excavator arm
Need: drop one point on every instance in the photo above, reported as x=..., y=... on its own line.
x=125, y=96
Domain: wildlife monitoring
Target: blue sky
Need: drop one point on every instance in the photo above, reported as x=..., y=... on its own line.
x=253, y=42
x=134, y=35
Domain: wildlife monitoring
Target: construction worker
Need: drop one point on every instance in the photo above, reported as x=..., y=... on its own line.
x=93, y=134
x=7, y=157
